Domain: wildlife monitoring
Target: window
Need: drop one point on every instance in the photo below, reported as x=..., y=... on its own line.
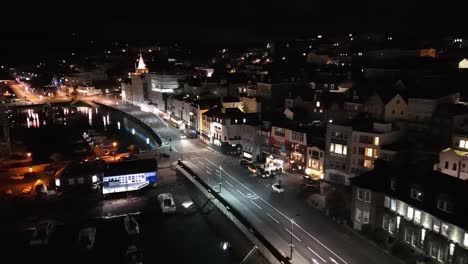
x=365, y=217
x=358, y=215
x=244, y=120
x=434, y=250
x=338, y=149
x=364, y=195
x=354, y=150
x=445, y=229
x=446, y=165
x=368, y=152
x=416, y=194
x=387, y=202
x=365, y=139
x=361, y=151
x=321, y=154
x=417, y=216
x=410, y=213
x=436, y=225
x=393, y=204
x=367, y=164
x=444, y=205
x=297, y=136
x=393, y=184
x=454, y=166
x=385, y=222
x=376, y=141
x=411, y=237
x=463, y=143
x=465, y=240
x=391, y=226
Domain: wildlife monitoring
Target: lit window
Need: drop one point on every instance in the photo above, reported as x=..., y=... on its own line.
x=376, y=141
x=368, y=152
x=463, y=143
x=338, y=149
x=365, y=217
x=445, y=229
x=235, y=120
x=368, y=164
x=444, y=205
x=465, y=240
x=417, y=216
x=243, y=120
x=410, y=213
x=387, y=202
x=393, y=204
x=436, y=225
x=358, y=215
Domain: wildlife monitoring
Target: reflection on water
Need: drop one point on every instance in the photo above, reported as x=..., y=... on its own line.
x=67, y=123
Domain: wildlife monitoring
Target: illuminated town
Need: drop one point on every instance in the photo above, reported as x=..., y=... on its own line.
x=209, y=143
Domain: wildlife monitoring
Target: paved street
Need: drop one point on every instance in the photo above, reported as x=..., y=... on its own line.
x=316, y=238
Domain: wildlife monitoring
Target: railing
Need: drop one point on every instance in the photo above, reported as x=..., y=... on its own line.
x=266, y=243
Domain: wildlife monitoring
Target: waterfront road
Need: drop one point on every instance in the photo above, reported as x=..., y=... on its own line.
x=316, y=238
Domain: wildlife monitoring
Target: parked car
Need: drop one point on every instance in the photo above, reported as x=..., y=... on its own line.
x=167, y=203
x=252, y=168
x=86, y=237
x=277, y=188
x=263, y=173
x=42, y=233
x=131, y=225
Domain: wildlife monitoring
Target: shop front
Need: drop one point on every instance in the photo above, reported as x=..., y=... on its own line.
x=275, y=162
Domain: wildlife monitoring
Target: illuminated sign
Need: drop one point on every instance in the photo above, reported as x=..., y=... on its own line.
x=247, y=155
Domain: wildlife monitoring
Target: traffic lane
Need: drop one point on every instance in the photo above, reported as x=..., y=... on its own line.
x=339, y=242
x=304, y=247
x=267, y=193
x=245, y=203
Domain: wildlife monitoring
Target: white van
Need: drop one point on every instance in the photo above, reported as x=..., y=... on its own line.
x=167, y=203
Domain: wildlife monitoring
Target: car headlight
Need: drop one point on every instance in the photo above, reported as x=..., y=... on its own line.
x=57, y=182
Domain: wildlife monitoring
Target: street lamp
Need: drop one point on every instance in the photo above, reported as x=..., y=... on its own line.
x=114, y=144
x=291, y=246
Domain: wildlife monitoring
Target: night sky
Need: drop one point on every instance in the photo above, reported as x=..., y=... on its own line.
x=40, y=28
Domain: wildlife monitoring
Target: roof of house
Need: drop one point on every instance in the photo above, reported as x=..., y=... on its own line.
x=433, y=184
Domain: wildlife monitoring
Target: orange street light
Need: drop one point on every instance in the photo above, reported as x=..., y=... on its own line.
x=114, y=144
x=29, y=154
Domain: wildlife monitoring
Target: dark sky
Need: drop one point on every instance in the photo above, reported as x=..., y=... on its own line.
x=42, y=26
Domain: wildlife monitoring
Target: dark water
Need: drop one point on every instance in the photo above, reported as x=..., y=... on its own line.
x=59, y=128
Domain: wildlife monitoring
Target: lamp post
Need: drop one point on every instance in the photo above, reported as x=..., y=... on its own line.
x=291, y=246
x=220, y=178
x=114, y=144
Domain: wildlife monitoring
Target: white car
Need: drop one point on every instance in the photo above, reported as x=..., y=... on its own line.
x=167, y=203
x=277, y=188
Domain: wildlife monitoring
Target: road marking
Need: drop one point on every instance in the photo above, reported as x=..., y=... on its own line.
x=334, y=261
x=298, y=239
x=289, y=219
x=256, y=205
x=208, y=172
x=201, y=162
x=315, y=261
x=274, y=219
x=241, y=193
x=317, y=255
x=229, y=184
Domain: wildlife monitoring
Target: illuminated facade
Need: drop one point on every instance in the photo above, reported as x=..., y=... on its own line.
x=428, y=214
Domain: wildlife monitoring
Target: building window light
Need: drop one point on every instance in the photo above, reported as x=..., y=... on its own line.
x=410, y=213
x=244, y=120
x=463, y=143
x=376, y=141
x=465, y=240
x=417, y=216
